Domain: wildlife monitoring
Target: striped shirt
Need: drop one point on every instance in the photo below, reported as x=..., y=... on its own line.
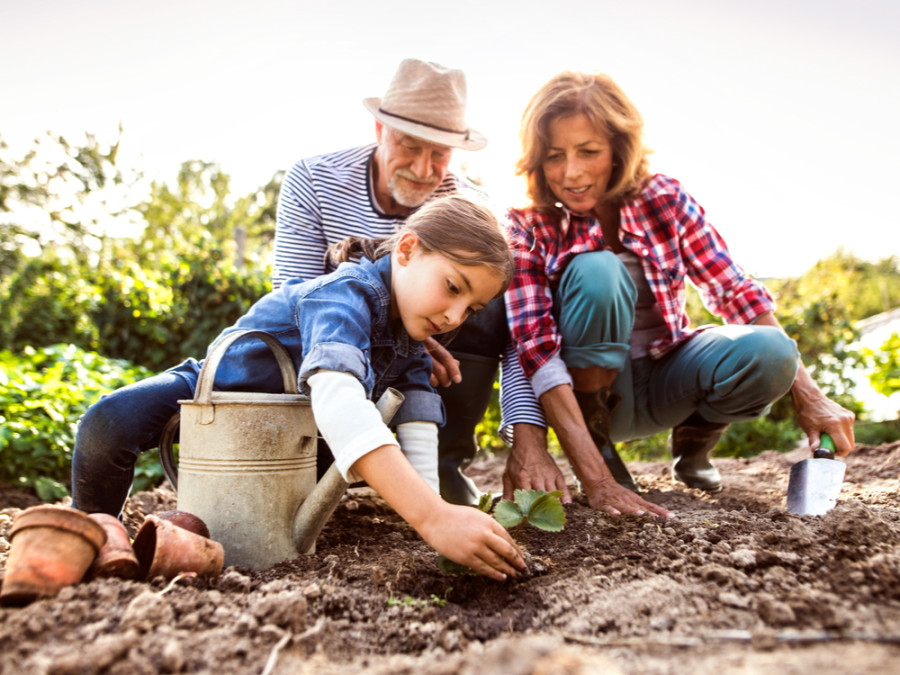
x=326, y=199
x=663, y=226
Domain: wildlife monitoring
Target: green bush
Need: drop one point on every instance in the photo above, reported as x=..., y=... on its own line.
x=43, y=393
x=885, y=363
x=153, y=318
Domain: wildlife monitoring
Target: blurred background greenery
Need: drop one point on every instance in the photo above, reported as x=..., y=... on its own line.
x=106, y=278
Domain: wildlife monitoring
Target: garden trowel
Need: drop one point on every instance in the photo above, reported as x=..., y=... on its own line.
x=815, y=483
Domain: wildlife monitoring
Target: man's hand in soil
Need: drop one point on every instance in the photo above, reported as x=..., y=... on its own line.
x=530, y=466
x=608, y=496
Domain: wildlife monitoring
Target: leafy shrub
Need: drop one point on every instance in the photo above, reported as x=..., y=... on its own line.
x=43, y=393
x=153, y=318
x=885, y=376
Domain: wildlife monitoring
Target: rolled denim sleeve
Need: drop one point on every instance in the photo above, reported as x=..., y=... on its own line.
x=339, y=357
x=420, y=406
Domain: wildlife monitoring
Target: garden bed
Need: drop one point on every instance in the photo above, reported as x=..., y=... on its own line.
x=733, y=583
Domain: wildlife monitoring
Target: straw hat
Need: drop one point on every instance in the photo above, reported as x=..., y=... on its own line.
x=428, y=101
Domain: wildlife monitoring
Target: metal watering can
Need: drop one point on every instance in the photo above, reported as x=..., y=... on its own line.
x=247, y=463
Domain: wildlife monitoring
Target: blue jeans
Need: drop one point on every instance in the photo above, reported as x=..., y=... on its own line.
x=113, y=432
x=726, y=374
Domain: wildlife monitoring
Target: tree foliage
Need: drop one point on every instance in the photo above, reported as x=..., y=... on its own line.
x=43, y=393
x=197, y=264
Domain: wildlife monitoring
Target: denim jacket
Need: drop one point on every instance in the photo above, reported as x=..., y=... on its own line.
x=340, y=321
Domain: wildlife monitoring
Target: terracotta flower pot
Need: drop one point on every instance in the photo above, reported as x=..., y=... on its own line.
x=50, y=547
x=186, y=520
x=167, y=550
x=116, y=558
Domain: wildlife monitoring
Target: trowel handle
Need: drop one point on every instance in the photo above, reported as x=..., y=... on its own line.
x=825, y=449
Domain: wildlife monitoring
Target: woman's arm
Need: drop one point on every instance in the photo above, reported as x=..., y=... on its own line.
x=816, y=413
x=601, y=489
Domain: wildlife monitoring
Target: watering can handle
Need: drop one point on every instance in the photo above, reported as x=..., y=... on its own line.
x=211, y=363
x=204, y=391
x=167, y=452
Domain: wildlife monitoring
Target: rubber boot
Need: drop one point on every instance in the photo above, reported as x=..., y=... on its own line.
x=597, y=408
x=465, y=404
x=692, y=443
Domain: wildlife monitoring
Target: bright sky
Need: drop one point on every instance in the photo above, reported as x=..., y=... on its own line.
x=779, y=116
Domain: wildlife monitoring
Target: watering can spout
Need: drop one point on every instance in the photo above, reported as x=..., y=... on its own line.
x=317, y=508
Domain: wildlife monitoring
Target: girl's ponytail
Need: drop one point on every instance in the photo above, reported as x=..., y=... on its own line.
x=352, y=249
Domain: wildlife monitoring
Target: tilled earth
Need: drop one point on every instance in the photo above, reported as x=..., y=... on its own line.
x=732, y=584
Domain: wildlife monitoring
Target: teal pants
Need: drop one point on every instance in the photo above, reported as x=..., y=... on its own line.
x=726, y=374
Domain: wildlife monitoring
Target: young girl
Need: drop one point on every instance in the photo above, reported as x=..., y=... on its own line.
x=352, y=334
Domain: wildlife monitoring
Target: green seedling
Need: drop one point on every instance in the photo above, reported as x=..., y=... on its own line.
x=409, y=601
x=536, y=507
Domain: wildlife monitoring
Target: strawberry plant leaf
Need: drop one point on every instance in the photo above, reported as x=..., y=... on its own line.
x=525, y=498
x=547, y=512
x=508, y=513
x=484, y=502
x=449, y=567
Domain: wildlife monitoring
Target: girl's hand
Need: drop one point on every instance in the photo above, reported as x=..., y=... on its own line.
x=472, y=538
x=463, y=534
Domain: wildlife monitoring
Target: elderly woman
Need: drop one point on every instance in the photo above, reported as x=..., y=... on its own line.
x=597, y=307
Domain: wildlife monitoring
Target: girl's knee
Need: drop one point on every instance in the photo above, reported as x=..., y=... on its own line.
x=109, y=422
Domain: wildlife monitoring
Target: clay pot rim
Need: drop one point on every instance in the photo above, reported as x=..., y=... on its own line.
x=60, y=517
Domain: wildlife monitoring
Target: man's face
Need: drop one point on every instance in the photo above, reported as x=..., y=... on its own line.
x=409, y=168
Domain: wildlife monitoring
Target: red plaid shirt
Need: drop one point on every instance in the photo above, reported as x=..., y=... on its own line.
x=666, y=228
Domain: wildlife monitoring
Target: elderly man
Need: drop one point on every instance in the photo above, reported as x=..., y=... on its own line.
x=368, y=192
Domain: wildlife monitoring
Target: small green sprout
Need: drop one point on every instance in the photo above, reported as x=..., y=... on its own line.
x=536, y=507
x=409, y=601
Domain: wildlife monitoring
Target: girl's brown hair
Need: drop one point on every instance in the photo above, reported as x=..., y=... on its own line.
x=458, y=228
x=609, y=110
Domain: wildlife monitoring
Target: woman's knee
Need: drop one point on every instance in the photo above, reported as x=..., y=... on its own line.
x=759, y=369
x=777, y=356
x=601, y=276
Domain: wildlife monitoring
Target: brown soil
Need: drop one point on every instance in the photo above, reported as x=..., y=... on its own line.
x=733, y=584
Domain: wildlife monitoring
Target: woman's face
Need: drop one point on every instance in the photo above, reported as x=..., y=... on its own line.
x=578, y=164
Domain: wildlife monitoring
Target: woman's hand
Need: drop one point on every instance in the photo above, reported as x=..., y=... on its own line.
x=444, y=368
x=472, y=538
x=817, y=414
x=608, y=496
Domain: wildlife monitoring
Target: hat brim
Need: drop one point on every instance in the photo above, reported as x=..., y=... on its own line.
x=470, y=140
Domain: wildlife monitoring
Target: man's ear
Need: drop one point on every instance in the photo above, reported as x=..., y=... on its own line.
x=406, y=246
x=379, y=129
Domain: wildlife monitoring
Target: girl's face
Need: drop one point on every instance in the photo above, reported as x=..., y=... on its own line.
x=578, y=164
x=431, y=294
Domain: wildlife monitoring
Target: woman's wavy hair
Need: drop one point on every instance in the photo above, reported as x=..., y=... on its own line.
x=455, y=226
x=609, y=110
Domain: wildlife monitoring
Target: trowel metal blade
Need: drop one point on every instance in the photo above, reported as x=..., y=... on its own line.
x=814, y=486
